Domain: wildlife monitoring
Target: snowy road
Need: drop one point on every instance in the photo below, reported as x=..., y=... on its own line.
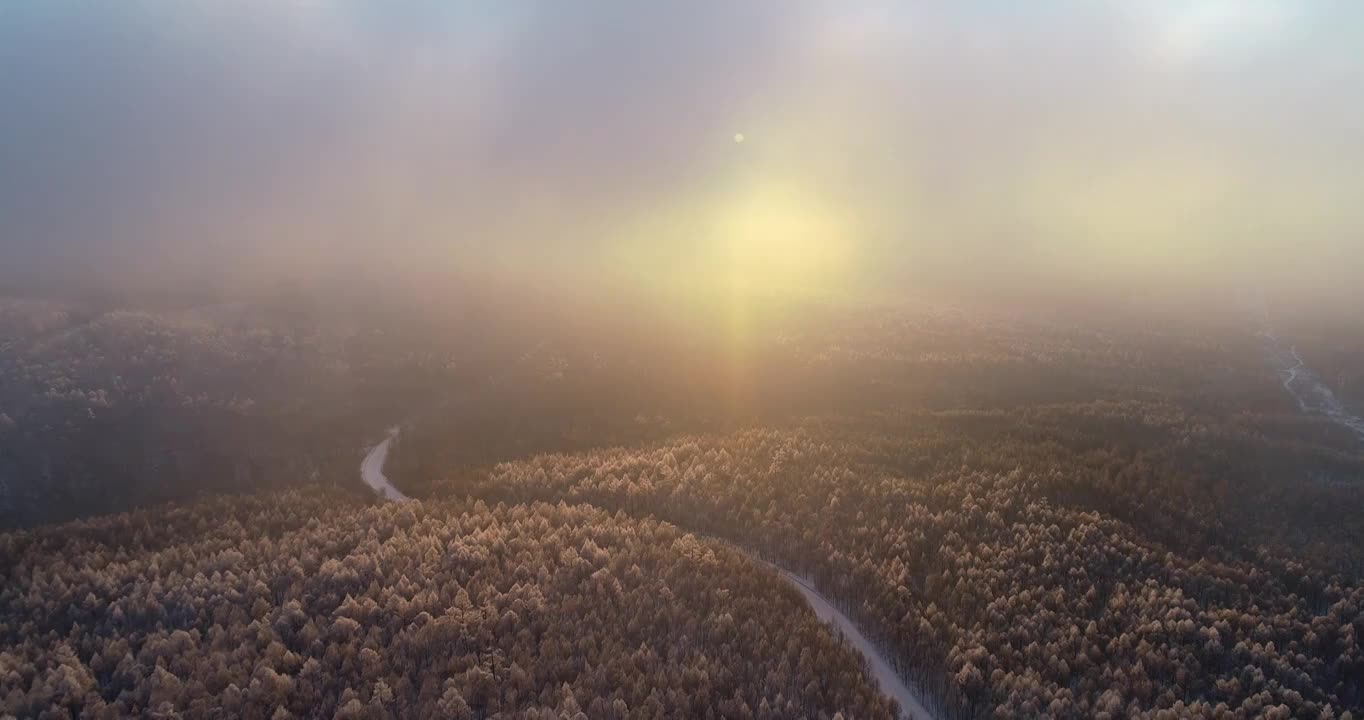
x=911, y=702
x=1312, y=394
x=372, y=469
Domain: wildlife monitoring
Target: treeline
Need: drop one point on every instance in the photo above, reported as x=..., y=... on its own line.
x=305, y=605
x=610, y=382
x=999, y=597
x=105, y=407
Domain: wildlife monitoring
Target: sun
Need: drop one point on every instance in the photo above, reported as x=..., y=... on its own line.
x=760, y=234
x=772, y=235
x=738, y=137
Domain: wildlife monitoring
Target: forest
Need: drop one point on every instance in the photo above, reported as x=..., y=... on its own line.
x=1035, y=518
x=108, y=405
x=681, y=359
x=304, y=605
x=1029, y=517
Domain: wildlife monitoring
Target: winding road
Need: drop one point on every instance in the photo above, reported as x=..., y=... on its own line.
x=372, y=469
x=911, y=703
x=1312, y=394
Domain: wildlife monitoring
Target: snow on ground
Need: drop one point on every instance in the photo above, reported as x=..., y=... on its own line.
x=911, y=702
x=1312, y=394
x=372, y=469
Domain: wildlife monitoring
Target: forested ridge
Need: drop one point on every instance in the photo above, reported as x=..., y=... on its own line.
x=1000, y=600
x=303, y=605
x=1035, y=520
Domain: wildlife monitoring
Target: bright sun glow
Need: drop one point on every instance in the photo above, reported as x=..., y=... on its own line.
x=772, y=237
x=760, y=233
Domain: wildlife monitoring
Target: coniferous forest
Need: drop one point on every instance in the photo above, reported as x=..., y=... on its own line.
x=681, y=360
x=1024, y=518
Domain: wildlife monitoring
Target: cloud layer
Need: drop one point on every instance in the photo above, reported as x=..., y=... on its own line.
x=887, y=144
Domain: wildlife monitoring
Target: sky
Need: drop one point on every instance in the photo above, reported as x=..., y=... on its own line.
x=700, y=146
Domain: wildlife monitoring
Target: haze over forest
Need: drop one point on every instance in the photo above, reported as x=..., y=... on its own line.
x=660, y=360
x=887, y=146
